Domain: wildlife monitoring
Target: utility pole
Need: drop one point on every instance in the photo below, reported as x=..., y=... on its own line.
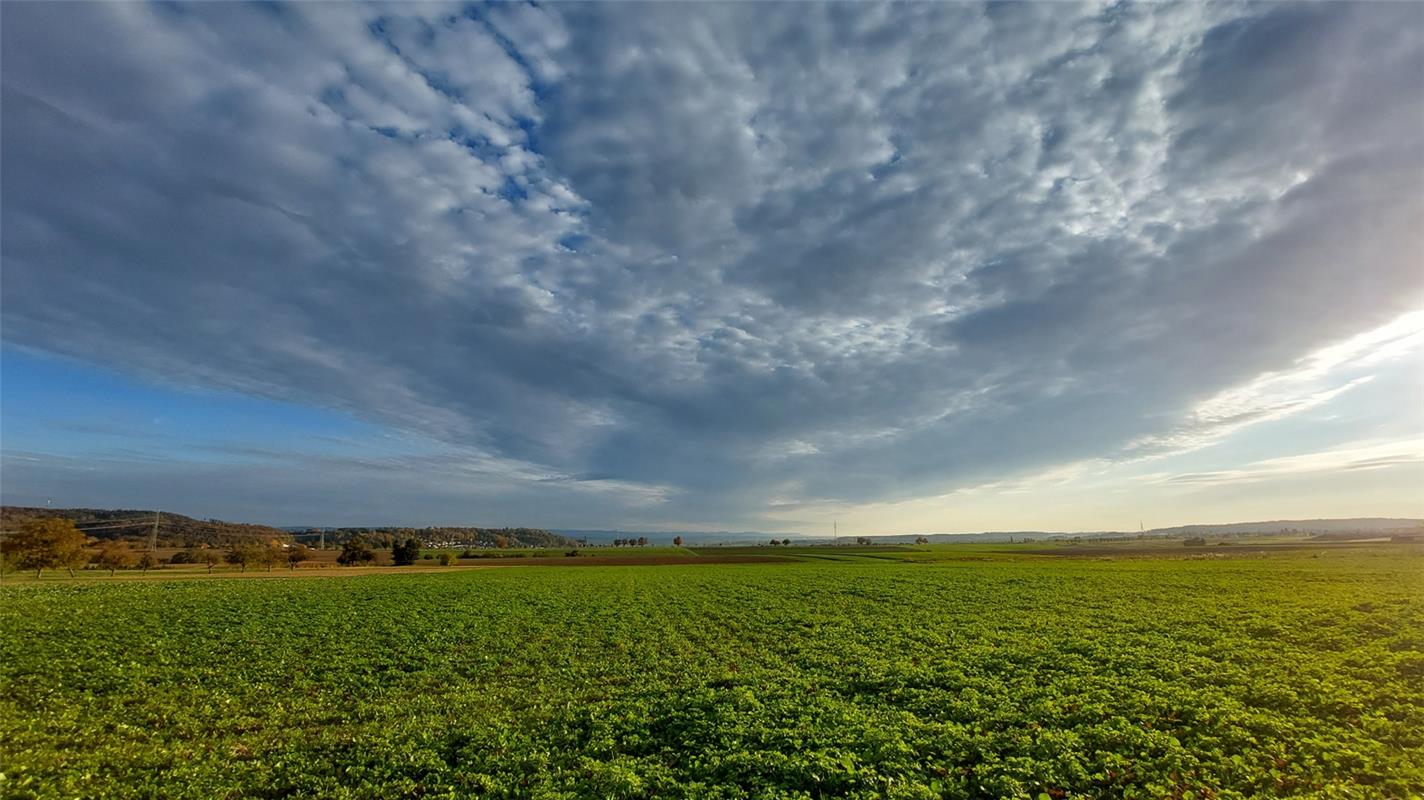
x=323, y=539
x=153, y=535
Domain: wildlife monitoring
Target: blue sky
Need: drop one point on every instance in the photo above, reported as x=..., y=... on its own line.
x=928, y=267
x=74, y=409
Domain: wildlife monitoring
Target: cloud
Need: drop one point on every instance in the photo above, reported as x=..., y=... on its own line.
x=730, y=254
x=1312, y=381
x=1352, y=457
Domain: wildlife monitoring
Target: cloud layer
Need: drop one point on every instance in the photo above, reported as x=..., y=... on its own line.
x=720, y=257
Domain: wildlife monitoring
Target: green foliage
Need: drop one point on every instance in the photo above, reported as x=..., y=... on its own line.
x=1068, y=678
x=406, y=553
x=355, y=552
x=449, y=559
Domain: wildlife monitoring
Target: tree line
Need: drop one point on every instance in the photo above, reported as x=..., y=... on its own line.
x=53, y=543
x=441, y=536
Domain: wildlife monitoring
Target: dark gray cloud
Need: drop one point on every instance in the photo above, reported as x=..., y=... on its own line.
x=741, y=252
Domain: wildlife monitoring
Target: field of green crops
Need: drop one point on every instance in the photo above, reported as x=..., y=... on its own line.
x=1285, y=676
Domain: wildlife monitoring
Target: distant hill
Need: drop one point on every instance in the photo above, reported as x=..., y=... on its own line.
x=1379, y=525
x=444, y=536
x=1376, y=526
x=713, y=538
x=176, y=530
x=690, y=538
x=131, y=524
x=995, y=537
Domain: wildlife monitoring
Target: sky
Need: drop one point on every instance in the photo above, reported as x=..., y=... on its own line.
x=898, y=268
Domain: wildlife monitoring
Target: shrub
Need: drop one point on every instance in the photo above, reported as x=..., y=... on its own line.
x=355, y=551
x=183, y=557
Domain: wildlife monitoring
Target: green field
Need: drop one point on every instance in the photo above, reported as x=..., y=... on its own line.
x=973, y=676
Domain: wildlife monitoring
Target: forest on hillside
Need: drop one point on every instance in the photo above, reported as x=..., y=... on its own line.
x=129, y=524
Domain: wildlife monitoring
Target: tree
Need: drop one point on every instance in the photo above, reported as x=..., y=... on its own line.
x=183, y=557
x=47, y=542
x=405, y=553
x=241, y=555
x=677, y=541
x=211, y=559
x=355, y=551
x=296, y=554
x=642, y=541
x=147, y=561
x=449, y=559
x=925, y=540
x=270, y=556
x=75, y=556
x=114, y=555
x=501, y=541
